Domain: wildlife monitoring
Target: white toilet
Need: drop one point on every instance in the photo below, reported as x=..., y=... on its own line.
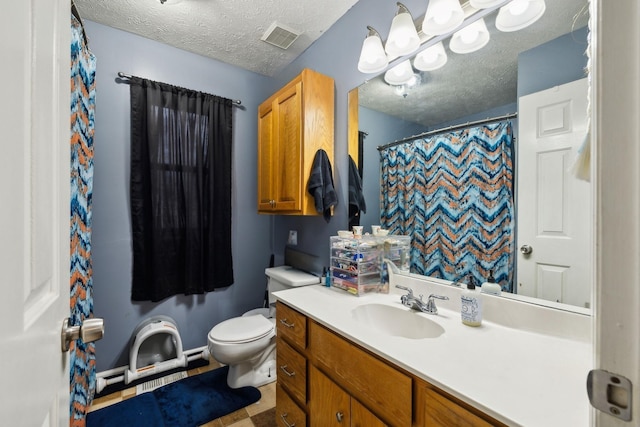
x=248, y=343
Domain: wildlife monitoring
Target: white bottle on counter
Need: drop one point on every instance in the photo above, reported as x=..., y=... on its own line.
x=471, y=310
x=490, y=286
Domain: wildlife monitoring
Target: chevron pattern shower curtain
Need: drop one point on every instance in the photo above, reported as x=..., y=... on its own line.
x=453, y=193
x=82, y=356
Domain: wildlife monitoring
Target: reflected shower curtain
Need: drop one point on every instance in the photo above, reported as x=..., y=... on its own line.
x=83, y=92
x=453, y=193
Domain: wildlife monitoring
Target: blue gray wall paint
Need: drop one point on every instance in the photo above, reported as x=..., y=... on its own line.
x=195, y=315
x=336, y=54
x=255, y=236
x=559, y=61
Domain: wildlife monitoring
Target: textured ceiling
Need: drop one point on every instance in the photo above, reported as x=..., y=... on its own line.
x=229, y=31
x=476, y=82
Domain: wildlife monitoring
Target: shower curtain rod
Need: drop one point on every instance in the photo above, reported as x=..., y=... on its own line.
x=449, y=128
x=128, y=76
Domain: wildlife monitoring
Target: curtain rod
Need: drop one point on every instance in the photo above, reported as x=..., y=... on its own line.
x=449, y=128
x=128, y=76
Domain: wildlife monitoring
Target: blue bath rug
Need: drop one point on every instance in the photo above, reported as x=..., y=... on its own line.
x=190, y=402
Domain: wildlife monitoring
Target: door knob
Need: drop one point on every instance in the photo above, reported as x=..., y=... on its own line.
x=526, y=249
x=90, y=330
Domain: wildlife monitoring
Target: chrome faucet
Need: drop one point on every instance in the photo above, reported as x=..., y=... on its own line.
x=419, y=304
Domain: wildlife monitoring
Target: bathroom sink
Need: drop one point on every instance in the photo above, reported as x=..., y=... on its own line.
x=397, y=321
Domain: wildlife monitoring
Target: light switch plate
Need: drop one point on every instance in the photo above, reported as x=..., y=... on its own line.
x=293, y=237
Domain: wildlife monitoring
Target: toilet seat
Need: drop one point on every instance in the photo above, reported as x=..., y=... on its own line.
x=242, y=329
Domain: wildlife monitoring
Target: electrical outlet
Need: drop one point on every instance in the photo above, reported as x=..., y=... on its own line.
x=293, y=237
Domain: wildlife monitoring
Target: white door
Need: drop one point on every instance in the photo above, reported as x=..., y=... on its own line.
x=554, y=207
x=616, y=108
x=34, y=211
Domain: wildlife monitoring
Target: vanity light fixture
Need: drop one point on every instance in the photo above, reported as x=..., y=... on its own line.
x=400, y=74
x=473, y=37
x=442, y=16
x=373, y=59
x=484, y=4
x=519, y=14
x=403, y=36
x=431, y=58
x=403, y=90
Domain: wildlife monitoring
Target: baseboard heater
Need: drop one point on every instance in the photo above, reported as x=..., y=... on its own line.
x=156, y=347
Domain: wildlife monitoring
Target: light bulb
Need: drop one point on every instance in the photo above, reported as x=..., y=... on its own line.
x=518, y=7
x=442, y=15
x=469, y=35
x=403, y=39
x=429, y=56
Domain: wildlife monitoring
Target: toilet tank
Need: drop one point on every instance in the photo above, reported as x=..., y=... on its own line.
x=286, y=277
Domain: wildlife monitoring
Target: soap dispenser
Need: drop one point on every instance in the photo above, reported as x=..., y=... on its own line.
x=490, y=286
x=471, y=310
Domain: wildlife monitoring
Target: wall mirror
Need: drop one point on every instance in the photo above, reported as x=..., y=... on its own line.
x=491, y=82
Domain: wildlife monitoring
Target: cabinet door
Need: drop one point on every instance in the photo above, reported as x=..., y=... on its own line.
x=266, y=157
x=362, y=417
x=287, y=169
x=439, y=411
x=329, y=405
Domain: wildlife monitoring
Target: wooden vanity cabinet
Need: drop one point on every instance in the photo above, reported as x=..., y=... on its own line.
x=291, y=365
x=326, y=380
x=293, y=124
x=330, y=405
x=435, y=408
x=375, y=384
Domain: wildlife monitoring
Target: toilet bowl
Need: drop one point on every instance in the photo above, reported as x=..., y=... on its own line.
x=248, y=343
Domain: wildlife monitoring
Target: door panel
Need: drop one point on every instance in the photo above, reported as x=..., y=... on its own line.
x=289, y=164
x=554, y=207
x=329, y=404
x=34, y=217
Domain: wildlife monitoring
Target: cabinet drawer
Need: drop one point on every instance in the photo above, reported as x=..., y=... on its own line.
x=291, y=325
x=292, y=371
x=371, y=381
x=287, y=412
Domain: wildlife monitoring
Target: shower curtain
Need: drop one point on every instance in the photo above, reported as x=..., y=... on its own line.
x=82, y=355
x=453, y=193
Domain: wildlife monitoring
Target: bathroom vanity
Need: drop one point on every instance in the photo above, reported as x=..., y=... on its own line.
x=369, y=361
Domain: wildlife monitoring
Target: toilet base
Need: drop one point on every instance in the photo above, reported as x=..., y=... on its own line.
x=249, y=374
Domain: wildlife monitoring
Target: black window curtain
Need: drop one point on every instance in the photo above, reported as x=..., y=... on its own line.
x=180, y=191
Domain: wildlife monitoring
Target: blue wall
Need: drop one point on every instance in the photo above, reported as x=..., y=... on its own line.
x=341, y=63
x=195, y=315
x=336, y=54
x=559, y=61
x=255, y=236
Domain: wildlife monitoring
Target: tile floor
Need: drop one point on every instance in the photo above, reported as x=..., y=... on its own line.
x=259, y=414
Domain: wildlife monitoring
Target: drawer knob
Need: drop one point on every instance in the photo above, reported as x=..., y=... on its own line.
x=284, y=369
x=339, y=416
x=287, y=324
x=284, y=420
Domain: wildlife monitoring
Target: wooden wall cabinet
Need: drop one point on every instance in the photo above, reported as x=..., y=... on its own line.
x=293, y=124
x=326, y=380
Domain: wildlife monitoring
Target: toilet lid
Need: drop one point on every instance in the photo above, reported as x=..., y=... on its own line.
x=242, y=329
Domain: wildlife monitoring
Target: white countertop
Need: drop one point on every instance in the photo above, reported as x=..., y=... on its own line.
x=519, y=377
